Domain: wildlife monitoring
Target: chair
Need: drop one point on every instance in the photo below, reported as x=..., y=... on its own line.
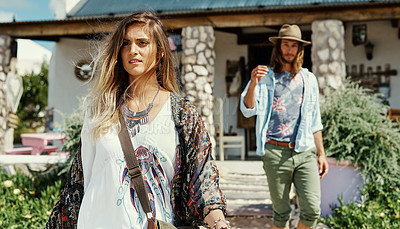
x=223, y=140
x=394, y=114
x=28, y=150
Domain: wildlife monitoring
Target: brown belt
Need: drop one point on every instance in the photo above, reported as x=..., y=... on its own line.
x=285, y=144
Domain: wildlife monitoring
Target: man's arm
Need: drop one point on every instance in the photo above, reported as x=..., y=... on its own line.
x=256, y=75
x=322, y=162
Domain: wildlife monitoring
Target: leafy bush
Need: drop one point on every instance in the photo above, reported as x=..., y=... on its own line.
x=27, y=201
x=379, y=210
x=356, y=129
x=33, y=104
x=72, y=130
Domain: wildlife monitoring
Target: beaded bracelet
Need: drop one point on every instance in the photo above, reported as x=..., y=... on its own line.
x=219, y=220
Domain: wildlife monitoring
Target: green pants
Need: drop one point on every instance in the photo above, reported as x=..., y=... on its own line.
x=283, y=167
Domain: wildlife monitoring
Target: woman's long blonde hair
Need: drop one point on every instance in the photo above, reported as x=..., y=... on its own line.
x=277, y=60
x=112, y=81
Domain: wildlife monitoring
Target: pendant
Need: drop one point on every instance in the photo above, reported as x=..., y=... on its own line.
x=133, y=125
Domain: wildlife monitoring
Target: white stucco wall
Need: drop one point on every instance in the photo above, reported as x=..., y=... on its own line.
x=226, y=48
x=386, y=51
x=65, y=89
x=30, y=56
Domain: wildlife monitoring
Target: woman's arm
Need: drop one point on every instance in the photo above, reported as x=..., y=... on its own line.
x=216, y=220
x=196, y=180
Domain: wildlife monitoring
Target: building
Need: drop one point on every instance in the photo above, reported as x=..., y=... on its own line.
x=214, y=38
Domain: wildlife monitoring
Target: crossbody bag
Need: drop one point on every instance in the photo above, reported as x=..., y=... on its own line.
x=137, y=180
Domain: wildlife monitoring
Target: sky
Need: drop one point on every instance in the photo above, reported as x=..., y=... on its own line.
x=29, y=10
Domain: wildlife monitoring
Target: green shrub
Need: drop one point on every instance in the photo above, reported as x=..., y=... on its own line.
x=379, y=210
x=36, y=195
x=27, y=201
x=33, y=103
x=356, y=128
x=72, y=129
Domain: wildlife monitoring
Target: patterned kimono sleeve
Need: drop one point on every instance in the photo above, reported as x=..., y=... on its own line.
x=204, y=183
x=66, y=211
x=197, y=179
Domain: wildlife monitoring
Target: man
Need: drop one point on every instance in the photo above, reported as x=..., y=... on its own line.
x=284, y=97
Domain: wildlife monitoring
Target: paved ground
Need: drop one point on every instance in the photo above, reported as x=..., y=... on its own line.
x=245, y=187
x=248, y=201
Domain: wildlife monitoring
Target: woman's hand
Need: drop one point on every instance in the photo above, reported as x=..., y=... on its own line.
x=216, y=220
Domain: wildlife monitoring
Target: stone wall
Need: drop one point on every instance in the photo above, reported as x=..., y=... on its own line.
x=198, y=61
x=5, y=53
x=328, y=53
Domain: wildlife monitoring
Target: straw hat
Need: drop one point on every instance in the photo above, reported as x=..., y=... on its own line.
x=290, y=32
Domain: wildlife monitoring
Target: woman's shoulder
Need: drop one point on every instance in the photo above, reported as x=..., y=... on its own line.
x=182, y=109
x=182, y=103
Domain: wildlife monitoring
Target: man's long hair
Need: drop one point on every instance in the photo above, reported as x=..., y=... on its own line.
x=277, y=60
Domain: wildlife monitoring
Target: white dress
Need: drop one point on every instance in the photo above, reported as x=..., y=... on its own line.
x=109, y=202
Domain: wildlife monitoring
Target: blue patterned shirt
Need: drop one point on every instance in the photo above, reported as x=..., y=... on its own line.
x=310, y=118
x=285, y=115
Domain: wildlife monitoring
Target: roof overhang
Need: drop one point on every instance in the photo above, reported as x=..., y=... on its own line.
x=92, y=26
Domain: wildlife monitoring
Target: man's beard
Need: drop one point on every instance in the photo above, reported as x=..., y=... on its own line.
x=287, y=61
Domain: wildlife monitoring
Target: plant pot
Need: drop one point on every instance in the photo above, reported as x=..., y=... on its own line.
x=342, y=180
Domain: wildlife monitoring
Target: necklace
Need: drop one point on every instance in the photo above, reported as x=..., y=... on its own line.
x=135, y=119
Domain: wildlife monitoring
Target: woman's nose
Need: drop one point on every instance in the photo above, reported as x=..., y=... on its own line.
x=134, y=48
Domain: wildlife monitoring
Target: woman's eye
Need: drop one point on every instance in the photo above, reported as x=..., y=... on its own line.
x=143, y=43
x=125, y=43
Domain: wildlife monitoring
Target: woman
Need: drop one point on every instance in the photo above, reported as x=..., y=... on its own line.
x=135, y=78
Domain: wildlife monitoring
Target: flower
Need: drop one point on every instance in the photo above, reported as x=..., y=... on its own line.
x=8, y=183
x=48, y=212
x=382, y=215
x=28, y=216
x=17, y=191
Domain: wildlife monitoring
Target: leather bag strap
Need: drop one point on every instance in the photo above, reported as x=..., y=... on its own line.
x=134, y=171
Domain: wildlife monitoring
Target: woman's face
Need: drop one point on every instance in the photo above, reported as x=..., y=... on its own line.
x=138, y=51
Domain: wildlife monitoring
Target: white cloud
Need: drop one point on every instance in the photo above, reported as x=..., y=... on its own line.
x=6, y=16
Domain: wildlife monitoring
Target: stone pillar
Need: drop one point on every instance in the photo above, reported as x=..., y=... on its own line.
x=5, y=53
x=198, y=61
x=328, y=54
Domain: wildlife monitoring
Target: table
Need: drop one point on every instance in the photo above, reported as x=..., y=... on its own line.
x=39, y=141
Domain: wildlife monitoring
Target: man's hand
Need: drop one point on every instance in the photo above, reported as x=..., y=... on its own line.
x=258, y=73
x=323, y=166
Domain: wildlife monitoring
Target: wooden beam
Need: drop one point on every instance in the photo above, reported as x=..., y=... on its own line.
x=262, y=38
x=303, y=18
x=84, y=27
x=53, y=29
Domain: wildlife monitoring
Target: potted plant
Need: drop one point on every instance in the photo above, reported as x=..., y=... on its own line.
x=358, y=135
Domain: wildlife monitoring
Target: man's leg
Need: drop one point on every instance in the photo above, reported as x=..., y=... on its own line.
x=302, y=226
x=274, y=227
x=278, y=166
x=307, y=183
